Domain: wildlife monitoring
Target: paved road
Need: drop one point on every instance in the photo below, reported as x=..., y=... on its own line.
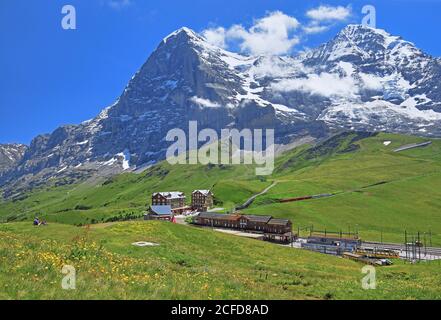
x=240, y=233
x=250, y=200
x=180, y=219
x=413, y=146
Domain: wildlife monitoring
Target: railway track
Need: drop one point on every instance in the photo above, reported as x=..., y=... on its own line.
x=435, y=251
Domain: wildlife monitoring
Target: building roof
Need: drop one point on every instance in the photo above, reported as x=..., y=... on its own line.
x=279, y=222
x=334, y=238
x=219, y=216
x=254, y=218
x=171, y=195
x=204, y=192
x=161, y=210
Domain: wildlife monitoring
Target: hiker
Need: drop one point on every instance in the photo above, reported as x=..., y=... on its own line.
x=36, y=222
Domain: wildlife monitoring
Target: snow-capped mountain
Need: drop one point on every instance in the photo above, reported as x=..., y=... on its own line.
x=386, y=83
x=363, y=79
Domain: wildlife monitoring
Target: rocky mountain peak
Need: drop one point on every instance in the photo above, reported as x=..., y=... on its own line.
x=365, y=37
x=183, y=39
x=183, y=33
x=363, y=79
x=356, y=32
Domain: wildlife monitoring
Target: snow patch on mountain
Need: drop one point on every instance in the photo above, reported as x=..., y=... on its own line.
x=82, y=143
x=204, y=102
x=379, y=110
x=125, y=159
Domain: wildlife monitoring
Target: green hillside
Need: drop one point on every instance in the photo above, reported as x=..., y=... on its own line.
x=377, y=191
x=130, y=193
x=189, y=263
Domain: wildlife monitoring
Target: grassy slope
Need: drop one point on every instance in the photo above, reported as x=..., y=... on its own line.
x=409, y=200
x=130, y=193
x=199, y=264
x=190, y=263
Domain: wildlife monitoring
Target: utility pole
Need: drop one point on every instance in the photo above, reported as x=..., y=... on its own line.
x=430, y=235
x=405, y=243
x=419, y=246
x=414, y=249
x=425, y=245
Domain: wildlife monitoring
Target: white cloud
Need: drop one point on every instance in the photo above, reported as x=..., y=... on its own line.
x=275, y=34
x=216, y=36
x=329, y=13
x=324, y=84
x=315, y=28
x=332, y=85
x=204, y=102
x=275, y=67
x=371, y=82
x=269, y=35
x=267, y=67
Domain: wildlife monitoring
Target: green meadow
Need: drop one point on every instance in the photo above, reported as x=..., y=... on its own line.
x=189, y=263
x=130, y=193
x=376, y=191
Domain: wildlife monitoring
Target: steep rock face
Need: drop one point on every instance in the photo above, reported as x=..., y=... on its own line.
x=166, y=93
x=364, y=79
x=10, y=155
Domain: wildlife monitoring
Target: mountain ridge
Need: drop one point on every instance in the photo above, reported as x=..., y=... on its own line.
x=364, y=79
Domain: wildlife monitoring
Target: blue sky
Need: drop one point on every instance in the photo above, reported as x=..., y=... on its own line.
x=51, y=77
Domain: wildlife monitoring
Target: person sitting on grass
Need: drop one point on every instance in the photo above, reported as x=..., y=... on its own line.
x=36, y=221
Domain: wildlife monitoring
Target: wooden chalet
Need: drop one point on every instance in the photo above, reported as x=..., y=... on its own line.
x=175, y=199
x=273, y=229
x=279, y=230
x=201, y=200
x=279, y=226
x=255, y=223
x=219, y=220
